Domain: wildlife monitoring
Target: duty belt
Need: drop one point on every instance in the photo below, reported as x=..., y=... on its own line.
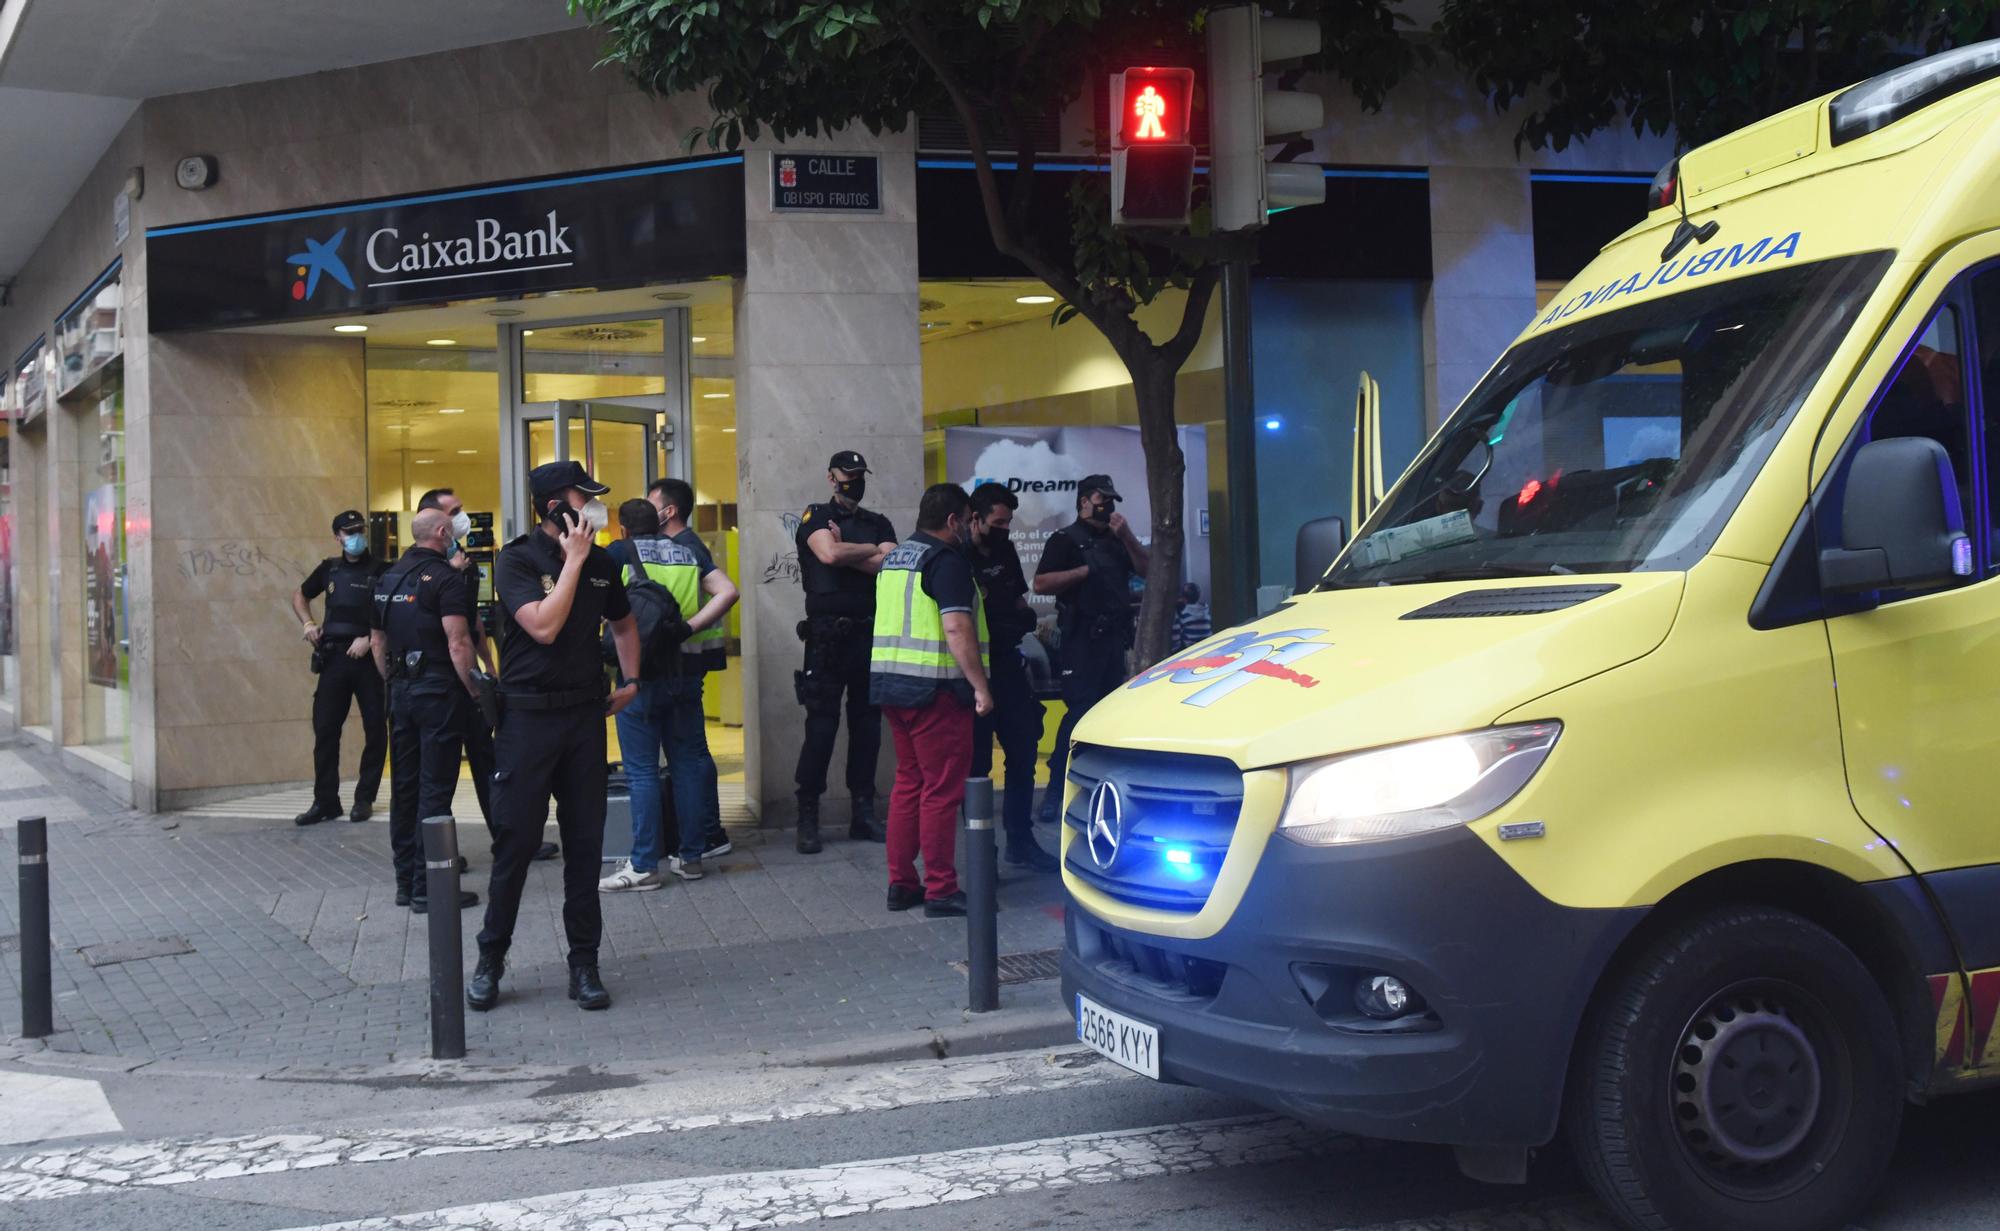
x=553, y=700
x=838, y=626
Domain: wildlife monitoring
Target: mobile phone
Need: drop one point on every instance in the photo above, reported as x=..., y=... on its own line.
x=566, y=517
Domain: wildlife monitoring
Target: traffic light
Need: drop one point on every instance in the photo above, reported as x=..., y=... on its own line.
x=1244, y=117
x=1152, y=159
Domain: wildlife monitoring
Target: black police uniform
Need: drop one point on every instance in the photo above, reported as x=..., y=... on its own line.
x=551, y=740
x=349, y=586
x=1017, y=716
x=839, y=632
x=430, y=713
x=1094, y=619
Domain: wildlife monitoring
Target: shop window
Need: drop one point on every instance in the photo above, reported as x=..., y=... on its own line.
x=107, y=638
x=433, y=422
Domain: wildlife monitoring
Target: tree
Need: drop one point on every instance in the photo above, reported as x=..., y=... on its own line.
x=1582, y=65
x=807, y=67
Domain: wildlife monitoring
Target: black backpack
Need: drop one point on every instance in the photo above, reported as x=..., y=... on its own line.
x=661, y=629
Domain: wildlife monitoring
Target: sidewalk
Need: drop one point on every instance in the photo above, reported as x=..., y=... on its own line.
x=297, y=957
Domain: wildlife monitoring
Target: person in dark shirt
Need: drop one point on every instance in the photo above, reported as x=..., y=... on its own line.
x=1017, y=717
x=927, y=671
x=556, y=586
x=841, y=546
x=1088, y=566
x=346, y=674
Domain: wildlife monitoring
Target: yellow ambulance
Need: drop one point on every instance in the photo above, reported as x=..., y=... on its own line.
x=1627, y=775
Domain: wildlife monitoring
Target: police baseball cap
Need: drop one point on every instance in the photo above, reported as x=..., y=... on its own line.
x=349, y=520
x=850, y=461
x=554, y=478
x=1097, y=483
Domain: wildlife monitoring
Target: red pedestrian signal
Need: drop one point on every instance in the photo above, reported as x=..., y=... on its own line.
x=1152, y=160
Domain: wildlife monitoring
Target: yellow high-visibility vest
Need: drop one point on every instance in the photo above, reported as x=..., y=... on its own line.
x=909, y=626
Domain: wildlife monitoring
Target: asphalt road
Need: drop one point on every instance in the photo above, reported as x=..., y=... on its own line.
x=1026, y=1140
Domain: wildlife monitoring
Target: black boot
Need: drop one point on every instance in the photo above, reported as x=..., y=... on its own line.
x=587, y=989
x=808, y=836
x=483, y=992
x=315, y=814
x=864, y=827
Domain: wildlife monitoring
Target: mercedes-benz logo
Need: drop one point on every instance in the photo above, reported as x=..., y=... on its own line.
x=1106, y=827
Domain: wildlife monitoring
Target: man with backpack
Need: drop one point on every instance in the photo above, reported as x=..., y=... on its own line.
x=678, y=597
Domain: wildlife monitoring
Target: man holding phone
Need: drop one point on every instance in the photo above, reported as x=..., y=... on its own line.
x=556, y=586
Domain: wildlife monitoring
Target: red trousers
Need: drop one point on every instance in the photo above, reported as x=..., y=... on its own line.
x=933, y=757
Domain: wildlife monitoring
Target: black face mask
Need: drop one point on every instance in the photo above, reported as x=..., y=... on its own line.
x=854, y=488
x=996, y=536
x=1100, y=513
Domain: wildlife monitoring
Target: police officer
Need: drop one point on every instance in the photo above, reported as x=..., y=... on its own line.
x=340, y=656
x=478, y=736
x=1017, y=717
x=556, y=586
x=1088, y=566
x=841, y=548
x=423, y=645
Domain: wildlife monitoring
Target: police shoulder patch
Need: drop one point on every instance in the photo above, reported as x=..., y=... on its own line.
x=807, y=515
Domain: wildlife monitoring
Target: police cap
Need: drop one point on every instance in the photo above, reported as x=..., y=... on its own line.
x=553, y=478
x=1097, y=483
x=350, y=519
x=849, y=461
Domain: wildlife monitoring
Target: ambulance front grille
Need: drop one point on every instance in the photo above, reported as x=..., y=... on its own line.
x=1173, y=818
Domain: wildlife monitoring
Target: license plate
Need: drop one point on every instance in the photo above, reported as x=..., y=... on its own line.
x=1132, y=1044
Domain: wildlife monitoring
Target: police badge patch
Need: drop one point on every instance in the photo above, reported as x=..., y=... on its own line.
x=548, y=584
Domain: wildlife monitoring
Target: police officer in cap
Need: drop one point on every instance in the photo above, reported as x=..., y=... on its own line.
x=423, y=646
x=841, y=548
x=556, y=586
x=346, y=673
x=1088, y=566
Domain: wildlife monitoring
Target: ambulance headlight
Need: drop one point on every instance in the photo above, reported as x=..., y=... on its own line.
x=1413, y=788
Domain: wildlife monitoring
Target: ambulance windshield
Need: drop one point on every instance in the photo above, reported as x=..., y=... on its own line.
x=1619, y=443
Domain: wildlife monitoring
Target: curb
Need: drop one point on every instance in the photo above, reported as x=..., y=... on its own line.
x=980, y=1034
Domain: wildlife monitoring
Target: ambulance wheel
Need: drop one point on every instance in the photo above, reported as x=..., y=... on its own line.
x=1741, y=1074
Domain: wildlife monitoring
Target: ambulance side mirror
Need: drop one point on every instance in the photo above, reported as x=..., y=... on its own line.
x=1318, y=544
x=1901, y=526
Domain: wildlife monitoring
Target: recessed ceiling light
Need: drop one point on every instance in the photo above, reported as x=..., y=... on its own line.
x=399, y=427
x=451, y=410
x=672, y=296
x=350, y=329
x=526, y=332
x=425, y=461
x=468, y=452
x=712, y=396
x=697, y=339
x=505, y=312
x=440, y=341
x=730, y=430
x=1032, y=299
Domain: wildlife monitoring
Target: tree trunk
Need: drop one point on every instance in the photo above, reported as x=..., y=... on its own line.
x=1166, y=468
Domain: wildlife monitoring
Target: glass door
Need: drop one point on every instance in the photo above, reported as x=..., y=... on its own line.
x=615, y=442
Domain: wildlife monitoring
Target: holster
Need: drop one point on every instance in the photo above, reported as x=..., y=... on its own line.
x=488, y=690
x=317, y=663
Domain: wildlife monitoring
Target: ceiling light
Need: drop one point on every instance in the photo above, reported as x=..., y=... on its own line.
x=698, y=339
x=672, y=296
x=440, y=341
x=350, y=329
x=505, y=312
x=451, y=410
x=424, y=461
x=712, y=396
x=1032, y=299
x=467, y=452
x=527, y=333
x=730, y=430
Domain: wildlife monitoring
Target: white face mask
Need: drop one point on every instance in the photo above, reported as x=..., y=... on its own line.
x=461, y=524
x=595, y=515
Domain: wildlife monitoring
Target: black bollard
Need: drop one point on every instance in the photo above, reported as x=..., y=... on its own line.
x=447, y=955
x=37, y=1001
x=982, y=899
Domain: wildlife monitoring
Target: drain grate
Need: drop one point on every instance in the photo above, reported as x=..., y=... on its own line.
x=135, y=950
x=1025, y=967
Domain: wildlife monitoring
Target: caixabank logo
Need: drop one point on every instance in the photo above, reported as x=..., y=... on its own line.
x=322, y=256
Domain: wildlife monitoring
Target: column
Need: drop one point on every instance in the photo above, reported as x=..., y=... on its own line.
x=1482, y=277
x=826, y=359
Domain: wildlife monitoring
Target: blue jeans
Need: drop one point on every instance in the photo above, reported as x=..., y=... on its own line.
x=667, y=715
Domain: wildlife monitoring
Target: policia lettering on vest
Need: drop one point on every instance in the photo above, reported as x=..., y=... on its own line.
x=679, y=637
x=928, y=673
x=340, y=659
x=422, y=643
x=841, y=547
x=555, y=586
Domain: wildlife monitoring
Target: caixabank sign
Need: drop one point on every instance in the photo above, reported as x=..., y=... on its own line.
x=663, y=222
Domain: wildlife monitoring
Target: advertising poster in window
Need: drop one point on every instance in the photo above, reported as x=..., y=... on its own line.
x=100, y=580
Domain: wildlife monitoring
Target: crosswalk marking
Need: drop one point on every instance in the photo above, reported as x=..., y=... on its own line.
x=728, y=1101
x=918, y=1181
x=40, y=1106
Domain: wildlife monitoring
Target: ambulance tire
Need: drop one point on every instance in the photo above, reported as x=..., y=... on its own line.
x=1741, y=1074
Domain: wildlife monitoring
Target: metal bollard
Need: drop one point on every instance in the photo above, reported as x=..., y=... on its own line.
x=447, y=955
x=982, y=899
x=37, y=1001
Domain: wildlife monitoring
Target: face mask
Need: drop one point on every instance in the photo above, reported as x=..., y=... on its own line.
x=354, y=544
x=853, y=488
x=461, y=524
x=1100, y=513
x=996, y=536
x=595, y=515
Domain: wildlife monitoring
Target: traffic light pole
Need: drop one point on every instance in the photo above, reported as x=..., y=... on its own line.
x=1240, y=435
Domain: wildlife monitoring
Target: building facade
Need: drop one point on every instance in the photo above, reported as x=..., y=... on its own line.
x=440, y=271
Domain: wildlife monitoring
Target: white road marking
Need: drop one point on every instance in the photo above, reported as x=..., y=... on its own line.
x=918, y=1181
x=42, y=1107
x=759, y=1097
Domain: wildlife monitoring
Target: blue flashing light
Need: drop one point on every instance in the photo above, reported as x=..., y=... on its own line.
x=1176, y=855
x=1272, y=425
x=1180, y=862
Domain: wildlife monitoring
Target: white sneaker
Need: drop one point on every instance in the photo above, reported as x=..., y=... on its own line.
x=629, y=879
x=686, y=869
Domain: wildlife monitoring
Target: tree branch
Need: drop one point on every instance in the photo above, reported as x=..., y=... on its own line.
x=1194, y=315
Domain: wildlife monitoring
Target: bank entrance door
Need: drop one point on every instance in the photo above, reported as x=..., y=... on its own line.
x=619, y=444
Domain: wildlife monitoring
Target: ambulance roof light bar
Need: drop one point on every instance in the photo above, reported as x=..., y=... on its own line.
x=1880, y=101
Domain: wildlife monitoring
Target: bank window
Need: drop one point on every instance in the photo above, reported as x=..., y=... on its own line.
x=1927, y=398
